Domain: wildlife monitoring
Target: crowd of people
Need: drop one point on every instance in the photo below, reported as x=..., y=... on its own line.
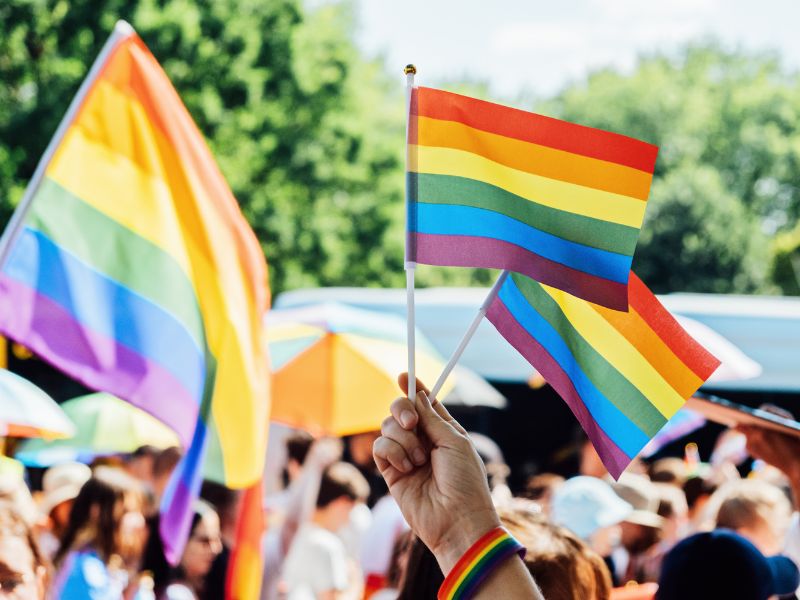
x=392, y=514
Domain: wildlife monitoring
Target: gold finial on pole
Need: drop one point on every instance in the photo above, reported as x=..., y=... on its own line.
x=410, y=70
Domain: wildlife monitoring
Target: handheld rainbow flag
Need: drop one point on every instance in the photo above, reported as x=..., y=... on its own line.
x=130, y=267
x=623, y=374
x=245, y=569
x=493, y=186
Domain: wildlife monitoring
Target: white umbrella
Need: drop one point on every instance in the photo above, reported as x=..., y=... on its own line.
x=471, y=389
x=27, y=411
x=735, y=364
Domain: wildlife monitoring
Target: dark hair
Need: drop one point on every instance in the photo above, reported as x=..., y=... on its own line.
x=423, y=577
x=341, y=480
x=166, y=460
x=298, y=445
x=146, y=451
x=562, y=565
x=97, y=513
x=697, y=487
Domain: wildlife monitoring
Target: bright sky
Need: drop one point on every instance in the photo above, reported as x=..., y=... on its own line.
x=538, y=47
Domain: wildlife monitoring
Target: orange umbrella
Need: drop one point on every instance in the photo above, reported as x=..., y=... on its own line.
x=27, y=411
x=335, y=367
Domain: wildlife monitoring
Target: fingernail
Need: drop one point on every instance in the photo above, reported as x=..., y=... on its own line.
x=419, y=456
x=407, y=466
x=406, y=419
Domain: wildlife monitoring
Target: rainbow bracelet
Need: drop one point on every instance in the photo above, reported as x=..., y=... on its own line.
x=476, y=564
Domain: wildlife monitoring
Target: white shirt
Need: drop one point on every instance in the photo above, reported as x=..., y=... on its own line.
x=316, y=563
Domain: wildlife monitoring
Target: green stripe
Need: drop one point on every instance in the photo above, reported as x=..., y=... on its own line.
x=449, y=189
x=611, y=383
x=117, y=252
x=478, y=569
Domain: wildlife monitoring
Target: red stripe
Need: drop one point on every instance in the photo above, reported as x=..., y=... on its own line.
x=469, y=251
x=699, y=360
x=467, y=558
x=537, y=129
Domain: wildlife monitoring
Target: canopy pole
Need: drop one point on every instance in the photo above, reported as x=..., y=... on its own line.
x=462, y=345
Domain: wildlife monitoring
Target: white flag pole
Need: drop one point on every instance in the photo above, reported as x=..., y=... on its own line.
x=470, y=332
x=410, y=265
x=121, y=31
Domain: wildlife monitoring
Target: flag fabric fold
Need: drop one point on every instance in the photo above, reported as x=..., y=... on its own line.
x=496, y=187
x=136, y=273
x=623, y=374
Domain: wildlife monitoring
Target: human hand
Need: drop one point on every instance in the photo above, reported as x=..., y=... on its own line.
x=777, y=449
x=435, y=475
x=324, y=452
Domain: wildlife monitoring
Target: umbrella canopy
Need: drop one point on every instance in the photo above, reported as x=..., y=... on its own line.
x=471, y=389
x=105, y=425
x=335, y=367
x=27, y=411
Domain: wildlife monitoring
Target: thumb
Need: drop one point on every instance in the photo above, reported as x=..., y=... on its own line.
x=437, y=429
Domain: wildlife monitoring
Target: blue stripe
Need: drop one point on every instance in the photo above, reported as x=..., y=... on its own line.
x=101, y=304
x=454, y=219
x=617, y=426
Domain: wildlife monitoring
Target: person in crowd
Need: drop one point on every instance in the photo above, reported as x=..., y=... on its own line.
x=300, y=505
x=723, y=564
x=398, y=567
x=698, y=490
x=437, y=478
x=297, y=446
x=60, y=486
x=163, y=465
x=317, y=564
x=670, y=470
x=102, y=545
x=756, y=510
x=139, y=464
x=23, y=568
x=540, y=488
x=562, y=564
x=641, y=530
x=14, y=491
x=189, y=579
x=379, y=544
x=497, y=471
x=588, y=507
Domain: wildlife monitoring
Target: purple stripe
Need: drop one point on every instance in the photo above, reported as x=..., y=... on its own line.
x=614, y=459
x=469, y=251
x=95, y=360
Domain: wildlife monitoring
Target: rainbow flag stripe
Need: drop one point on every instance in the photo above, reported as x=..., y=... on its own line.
x=623, y=374
x=496, y=187
x=246, y=565
x=135, y=272
x=478, y=562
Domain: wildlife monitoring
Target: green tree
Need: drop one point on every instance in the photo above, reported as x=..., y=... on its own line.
x=732, y=113
x=307, y=132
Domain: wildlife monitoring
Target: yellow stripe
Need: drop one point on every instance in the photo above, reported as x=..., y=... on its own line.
x=556, y=194
x=619, y=352
x=474, y=562
x=535, y=158
x=136, y=179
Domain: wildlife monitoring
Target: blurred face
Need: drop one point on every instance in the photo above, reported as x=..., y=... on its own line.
x=203, y=547
x=132, y=530
x=603, y=541
x=19, y=577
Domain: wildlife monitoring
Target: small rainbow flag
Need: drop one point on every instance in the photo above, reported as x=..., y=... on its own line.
x=135, y=272
x=496, y=187
x=623, y=374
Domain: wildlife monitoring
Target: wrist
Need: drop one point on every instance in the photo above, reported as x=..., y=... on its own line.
x=460, y=537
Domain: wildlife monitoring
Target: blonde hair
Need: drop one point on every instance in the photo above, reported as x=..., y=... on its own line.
x=751, y=503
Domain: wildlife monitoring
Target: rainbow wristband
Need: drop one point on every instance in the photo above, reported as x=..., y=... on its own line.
x=476, y=564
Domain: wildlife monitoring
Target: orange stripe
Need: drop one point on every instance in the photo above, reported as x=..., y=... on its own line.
x=631, y=325
x=535, y=158
x=699, y=360
x=135, y=71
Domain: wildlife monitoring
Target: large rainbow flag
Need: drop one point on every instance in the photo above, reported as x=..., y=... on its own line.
x=135, y=272
x=623, y=374
x=493, y=186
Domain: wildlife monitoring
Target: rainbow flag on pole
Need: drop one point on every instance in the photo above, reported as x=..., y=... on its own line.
x=623, y=374
x=493, y=186
x=130, y=267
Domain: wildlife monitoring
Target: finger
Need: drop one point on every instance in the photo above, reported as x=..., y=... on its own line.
x=390, y=451
x=442, y=411
x=412, y=445
x=402, y=381
x=438, y=431
x=405, y=413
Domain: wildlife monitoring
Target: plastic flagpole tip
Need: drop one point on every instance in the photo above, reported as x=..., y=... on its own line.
x=410, y=70
x=122, y=27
